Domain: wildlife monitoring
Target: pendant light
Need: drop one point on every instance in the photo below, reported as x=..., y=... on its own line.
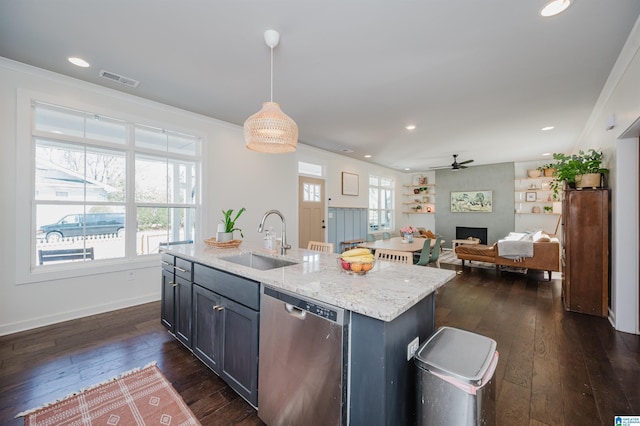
x=271, y=130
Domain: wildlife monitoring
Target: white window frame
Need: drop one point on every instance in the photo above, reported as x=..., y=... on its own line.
x=392, y=187
x=26, y=271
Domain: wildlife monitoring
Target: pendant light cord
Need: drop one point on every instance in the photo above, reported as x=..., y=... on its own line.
x=271, y=74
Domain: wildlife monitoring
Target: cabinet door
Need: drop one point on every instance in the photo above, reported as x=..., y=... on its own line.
x=587, y=250
x=167, y=313
x=240, y=349
x=182, y=308
x=207, y=316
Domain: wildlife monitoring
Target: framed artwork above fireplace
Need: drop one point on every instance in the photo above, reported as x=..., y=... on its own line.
x=471, y=201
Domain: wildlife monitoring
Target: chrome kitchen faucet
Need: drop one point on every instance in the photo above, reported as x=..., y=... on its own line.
x=283, y=245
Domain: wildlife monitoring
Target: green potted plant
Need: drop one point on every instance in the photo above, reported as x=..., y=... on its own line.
x=548, y=170
x=580, y=170
x=229, y=225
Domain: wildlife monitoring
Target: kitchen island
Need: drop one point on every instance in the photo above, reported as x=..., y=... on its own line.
x=386, y=310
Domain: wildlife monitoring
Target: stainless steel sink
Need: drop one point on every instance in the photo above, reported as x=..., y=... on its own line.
x=256, y=261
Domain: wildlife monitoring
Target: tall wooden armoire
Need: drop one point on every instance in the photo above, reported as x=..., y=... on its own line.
x=585, y=283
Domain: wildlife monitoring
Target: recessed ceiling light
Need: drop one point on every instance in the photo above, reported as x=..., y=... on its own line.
x=367, y=156
x=544, y=129
x=410, y=127
x=546, y=154
x=555, y=7
x=407, y=168
x=78, y=62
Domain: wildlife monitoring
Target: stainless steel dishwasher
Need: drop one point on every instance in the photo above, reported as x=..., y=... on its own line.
x=302, y=372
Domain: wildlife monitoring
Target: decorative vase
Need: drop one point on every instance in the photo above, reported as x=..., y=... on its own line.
x=408, y=237
x=549, y=172
x=224, y=236
x=588, y=180
x=534, y=173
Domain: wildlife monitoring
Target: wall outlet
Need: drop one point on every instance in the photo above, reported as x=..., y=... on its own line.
x=131, y=275
x=412, y=348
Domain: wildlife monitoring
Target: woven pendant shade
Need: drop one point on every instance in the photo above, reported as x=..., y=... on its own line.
x=271, y=130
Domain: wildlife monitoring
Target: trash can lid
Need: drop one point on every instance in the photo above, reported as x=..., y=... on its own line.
x=457, y=353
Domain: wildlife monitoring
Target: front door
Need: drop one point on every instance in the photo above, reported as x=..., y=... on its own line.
x=310, y=210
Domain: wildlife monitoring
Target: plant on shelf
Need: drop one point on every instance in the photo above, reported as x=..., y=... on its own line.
x=548, y=209
x=571, y=169
x=548, y=170
x=230, y=224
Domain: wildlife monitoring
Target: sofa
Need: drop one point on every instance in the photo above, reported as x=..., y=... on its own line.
x=545, y=257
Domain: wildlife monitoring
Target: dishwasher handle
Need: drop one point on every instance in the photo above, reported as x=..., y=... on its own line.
x=294, y=311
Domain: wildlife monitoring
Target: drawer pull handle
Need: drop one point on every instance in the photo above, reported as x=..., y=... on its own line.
x=164, y=262
x=180, y=269
x=175, y=284
x=218, y=308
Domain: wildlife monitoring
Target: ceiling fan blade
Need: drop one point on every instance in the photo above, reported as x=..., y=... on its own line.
x=466, y=162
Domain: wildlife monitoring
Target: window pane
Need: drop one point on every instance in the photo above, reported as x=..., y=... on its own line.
x=387, y=219
x=158, y=226
x=59, y=173
x=373, y=198
x=182, y=144
x=386, y=199
x=106, y=129
x=165, y=141
x=373, y=220
x=72, y=172
x=159, y=180
x=59, y=120
x=150, y=138
x=63, y=227
x=151, y=179
x=309, y=169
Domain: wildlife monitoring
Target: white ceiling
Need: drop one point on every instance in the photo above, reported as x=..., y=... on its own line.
x=477, y=78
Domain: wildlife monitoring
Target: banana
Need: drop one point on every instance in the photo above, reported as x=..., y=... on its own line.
x=361, y=258
x=356, y=252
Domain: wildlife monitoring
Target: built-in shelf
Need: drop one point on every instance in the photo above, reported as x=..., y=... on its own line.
x=425, y=200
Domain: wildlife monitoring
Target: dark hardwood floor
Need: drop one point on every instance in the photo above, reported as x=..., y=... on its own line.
x=556, y=367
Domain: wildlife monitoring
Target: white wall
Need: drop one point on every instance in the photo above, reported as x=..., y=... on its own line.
x=232, y=177
x=621, y=98
x=336, y=164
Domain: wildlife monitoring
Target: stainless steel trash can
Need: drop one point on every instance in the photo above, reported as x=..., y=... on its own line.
x=455, y=379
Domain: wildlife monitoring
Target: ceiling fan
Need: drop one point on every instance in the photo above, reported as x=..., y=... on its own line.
x=455, y=165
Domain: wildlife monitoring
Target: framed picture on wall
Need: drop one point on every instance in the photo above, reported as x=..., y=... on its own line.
x=471, y=201
x=531, y=196
x=350, y=184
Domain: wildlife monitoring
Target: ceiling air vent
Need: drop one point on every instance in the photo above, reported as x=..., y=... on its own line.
x=119, y=78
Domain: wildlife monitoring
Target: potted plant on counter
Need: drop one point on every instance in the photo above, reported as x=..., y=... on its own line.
x=229, y=225
x=582, y=170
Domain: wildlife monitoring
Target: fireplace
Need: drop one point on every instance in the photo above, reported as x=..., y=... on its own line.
x=464, y=232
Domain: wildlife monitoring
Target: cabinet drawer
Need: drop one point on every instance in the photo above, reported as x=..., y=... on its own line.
x=239, y=289
x=167, y=262
x=183, y=268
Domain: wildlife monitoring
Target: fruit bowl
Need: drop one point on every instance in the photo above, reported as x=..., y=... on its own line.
x=354, y=267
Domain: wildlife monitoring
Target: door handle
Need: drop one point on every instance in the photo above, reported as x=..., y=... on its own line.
x=295, y=311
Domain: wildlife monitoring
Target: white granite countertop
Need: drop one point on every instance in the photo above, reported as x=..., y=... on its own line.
x=384, y=293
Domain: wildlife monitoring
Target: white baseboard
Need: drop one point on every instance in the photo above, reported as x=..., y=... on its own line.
x=70, y=315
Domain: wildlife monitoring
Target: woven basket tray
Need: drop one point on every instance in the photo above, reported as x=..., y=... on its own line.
x=227, y=244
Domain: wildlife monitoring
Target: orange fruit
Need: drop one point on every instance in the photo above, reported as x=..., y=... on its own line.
x=367, y=266
x=356, y=267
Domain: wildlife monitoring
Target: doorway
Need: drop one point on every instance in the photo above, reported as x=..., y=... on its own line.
x=311, y=208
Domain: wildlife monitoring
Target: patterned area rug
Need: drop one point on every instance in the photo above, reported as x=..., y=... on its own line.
x=138, y=397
